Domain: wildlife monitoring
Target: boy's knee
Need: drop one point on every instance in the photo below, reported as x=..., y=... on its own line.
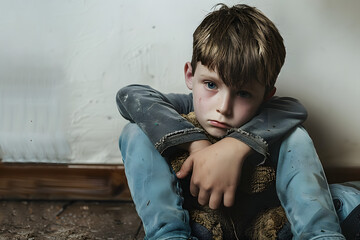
x=298, y=136
x=299, y=147
x=130, y=137
x=134, y=140
x=130, y=132
x=298, y=160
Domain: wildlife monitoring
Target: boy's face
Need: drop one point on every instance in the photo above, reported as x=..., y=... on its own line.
x=218, y=107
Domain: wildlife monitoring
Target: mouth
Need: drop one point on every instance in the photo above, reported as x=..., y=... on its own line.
x=218, y=124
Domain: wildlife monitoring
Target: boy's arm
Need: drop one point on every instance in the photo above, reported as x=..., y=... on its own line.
x=158, y=115
x=208, y=167
x=275, y=119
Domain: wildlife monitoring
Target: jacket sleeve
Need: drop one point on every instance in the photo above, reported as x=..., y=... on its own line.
x=275, y=119
x=158, y=115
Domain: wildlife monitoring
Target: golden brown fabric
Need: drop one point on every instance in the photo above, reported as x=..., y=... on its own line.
x=257, y=213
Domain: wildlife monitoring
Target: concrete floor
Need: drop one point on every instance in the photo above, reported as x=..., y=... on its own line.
x=73, y=220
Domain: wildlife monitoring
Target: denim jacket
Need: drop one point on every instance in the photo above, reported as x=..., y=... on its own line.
x=158, y=115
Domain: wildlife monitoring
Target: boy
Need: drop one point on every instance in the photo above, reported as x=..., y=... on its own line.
x=237, y=56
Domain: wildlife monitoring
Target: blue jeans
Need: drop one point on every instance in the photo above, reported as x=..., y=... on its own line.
x=154, y=187
x=301, y=185
x=305, y=194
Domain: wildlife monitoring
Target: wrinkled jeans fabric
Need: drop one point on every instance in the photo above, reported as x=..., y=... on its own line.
x=303, y=190
x=301, y=185
x=347, y=196
x=154, y=188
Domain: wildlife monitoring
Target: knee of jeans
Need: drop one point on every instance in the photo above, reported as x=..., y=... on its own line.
x=299, y=138
x=130, y=132
x=298, y=161
x=129, y=137
x=297, y=152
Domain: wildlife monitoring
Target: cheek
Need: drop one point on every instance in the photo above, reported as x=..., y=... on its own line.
x=202, y=100
x=197, y=101
x=244, y=113
x=197, y=104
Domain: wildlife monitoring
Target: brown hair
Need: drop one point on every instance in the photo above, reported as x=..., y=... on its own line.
x=241, y=43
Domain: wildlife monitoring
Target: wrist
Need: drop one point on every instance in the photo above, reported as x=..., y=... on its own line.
x=195, y=146
x=242, y=148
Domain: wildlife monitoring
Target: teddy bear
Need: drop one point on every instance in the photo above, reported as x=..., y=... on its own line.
x=256, y=214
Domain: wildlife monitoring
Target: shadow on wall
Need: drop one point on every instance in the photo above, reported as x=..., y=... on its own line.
x=31, y=110
x=323, y=64
x=335, y=148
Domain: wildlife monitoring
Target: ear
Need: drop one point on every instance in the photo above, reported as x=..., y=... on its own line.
x=270, y=94
x=188, y=75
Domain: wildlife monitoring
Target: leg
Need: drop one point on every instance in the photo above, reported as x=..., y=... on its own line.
x=346, y=198
x=303, y=190
x=154, y=188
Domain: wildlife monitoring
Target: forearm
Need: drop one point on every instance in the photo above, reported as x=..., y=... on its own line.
x=158, y=115
x=275, y=119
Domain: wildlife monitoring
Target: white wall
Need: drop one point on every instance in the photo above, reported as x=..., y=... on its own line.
x=62, y=62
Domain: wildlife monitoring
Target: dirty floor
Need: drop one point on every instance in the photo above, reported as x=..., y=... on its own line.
x=70, y=220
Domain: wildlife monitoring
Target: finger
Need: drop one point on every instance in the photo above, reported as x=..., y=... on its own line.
x=215, y=200
x=203, y=197
x=194, y=190
x=229, y=198
x=186, y=168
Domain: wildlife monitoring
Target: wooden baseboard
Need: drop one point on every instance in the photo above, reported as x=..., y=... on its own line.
x=63, y=182
x=89, y=182
x=342, y=174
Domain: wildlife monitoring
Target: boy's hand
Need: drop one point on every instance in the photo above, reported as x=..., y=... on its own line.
x=216, y=171
x=195, y=146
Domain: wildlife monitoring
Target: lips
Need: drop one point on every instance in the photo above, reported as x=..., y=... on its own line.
x=219, y=124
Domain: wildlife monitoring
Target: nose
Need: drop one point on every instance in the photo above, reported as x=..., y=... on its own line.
x=225, y=106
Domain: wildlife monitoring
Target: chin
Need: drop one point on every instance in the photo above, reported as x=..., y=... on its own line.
x=217, y=133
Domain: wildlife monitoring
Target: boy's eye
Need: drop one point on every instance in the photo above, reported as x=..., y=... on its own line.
x=244, y=94
x=210, y=85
